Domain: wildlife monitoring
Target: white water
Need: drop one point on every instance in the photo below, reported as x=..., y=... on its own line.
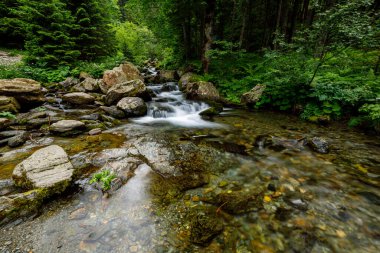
x=170, y=106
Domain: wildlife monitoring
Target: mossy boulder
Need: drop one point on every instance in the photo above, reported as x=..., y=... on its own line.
x=21, y=204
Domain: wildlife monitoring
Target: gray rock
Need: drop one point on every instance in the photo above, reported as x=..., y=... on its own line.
x=186, y=79
x=202, y=91
x=6, y=186
x=78, y=98
x=10, y=133
x=319, y=145
x=134, y=88
x=132, y=106
x=18, y=140
x=69, y=82
x=67, y=127
x=113, y=111
x=48, y=167
x=89, y=84
x=95, y=131
x=253, y=96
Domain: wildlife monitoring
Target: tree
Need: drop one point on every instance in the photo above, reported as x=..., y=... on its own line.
x=93, y=34
x=48, y=26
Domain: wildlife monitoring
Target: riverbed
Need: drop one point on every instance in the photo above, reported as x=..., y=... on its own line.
x=241, y=181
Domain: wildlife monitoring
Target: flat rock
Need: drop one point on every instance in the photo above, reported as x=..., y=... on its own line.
x=78, y=98
x=67, y=126
x=48, y=167
x=26, y=91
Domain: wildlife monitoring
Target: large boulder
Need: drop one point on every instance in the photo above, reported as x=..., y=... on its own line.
x=134, y=88
x=26, y=91
x=9, y=104
x=78, y=98
x=202, y=91
x=132, y=106
x=68, y=127
x=125, y=72
x=47, y=168
x=253, y=96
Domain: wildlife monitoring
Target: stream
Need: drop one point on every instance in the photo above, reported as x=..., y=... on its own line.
x=239, y=182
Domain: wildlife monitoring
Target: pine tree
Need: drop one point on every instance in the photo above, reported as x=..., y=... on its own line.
x=48, y=39
x=12, y=32
x=94, y=36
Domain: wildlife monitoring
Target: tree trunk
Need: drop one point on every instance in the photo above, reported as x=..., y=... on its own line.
x=279, y=11
x=121, y=4
x=209, y=17
x=244, y=23
x=293, y=21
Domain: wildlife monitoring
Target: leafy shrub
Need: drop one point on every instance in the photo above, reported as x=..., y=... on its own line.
x=105, y=177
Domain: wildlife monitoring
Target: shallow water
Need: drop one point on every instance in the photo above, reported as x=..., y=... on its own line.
x=220, y=189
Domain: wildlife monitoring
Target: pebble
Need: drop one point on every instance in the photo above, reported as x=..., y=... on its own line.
x=133, y=248
x=7, y=243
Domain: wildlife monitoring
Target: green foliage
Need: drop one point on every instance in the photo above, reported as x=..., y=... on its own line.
x=7, y=115
x=105, y=177
x=136, y=42
x=49, y=76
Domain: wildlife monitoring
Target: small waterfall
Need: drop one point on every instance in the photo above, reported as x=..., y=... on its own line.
x=170, y=106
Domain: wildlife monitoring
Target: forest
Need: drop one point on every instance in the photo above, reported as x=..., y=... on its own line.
x=317, y=58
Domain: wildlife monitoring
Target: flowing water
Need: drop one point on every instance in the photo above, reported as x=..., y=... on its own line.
x=170, y=106
x=243, y=182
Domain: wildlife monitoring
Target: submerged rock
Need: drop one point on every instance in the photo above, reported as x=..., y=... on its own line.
x=205, y=225
x=125, y=72
x=132, y=106
x=47, y=168
x=253, y=96
x=319, y=145
x=78, y=98
x=134, y=88
x=26, y=91
x=202, y=91
x=236, y=202
x=68, y=127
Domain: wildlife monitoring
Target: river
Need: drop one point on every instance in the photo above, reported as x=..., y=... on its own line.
x=239, y=182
